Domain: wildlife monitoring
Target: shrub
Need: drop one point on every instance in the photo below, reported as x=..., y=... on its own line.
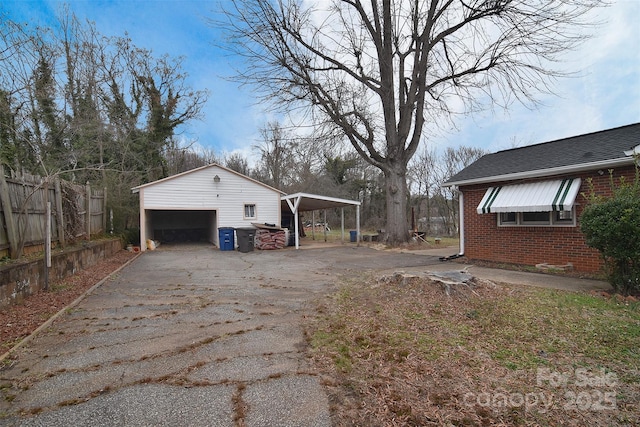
x=131, y=236
x=612, y=226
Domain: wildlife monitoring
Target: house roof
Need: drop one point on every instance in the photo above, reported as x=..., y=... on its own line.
x=603, y=149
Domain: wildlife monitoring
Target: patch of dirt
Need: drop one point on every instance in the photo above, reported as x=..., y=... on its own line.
x=19, y=321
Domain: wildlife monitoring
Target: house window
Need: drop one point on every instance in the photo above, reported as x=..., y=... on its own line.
x=508, y=218
x=250, y=211
x=537, y=219
x=563, y=217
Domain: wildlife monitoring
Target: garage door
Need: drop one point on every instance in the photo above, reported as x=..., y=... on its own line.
x=173, y=226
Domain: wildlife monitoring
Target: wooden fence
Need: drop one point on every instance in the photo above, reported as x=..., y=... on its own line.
x=77, y=212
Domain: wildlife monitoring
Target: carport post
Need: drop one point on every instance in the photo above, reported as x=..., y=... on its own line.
x=325, y=226
x=294, y=209
x=342, y=223
x=143, y=223
x=296, y=228
x=358, y=224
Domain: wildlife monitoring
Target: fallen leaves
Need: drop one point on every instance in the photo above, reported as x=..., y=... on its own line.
x=19, y=321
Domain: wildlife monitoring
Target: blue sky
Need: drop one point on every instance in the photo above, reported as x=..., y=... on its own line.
x=605, y=94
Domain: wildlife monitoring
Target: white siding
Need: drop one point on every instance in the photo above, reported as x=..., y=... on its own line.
x=198, y=191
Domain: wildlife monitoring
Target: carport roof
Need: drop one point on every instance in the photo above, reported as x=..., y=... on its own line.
x=311, y=202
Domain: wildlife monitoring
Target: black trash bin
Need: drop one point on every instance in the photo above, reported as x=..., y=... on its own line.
x=245, y=237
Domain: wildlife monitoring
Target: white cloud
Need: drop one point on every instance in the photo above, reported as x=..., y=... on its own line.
x=604, y=94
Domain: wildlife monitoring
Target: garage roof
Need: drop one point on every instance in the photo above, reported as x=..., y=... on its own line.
x=212, y=165
x=312, y=202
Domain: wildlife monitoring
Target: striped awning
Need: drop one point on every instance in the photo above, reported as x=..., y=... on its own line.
x=544, y=196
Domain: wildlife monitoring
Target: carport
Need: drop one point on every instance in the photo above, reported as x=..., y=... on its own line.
x=304, y=202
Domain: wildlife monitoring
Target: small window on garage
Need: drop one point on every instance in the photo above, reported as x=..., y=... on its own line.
x=250, y=211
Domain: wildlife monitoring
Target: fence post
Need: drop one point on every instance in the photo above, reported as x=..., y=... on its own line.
x=12, y=232
x=88, y=210
x=104, y=210
x=59, y=213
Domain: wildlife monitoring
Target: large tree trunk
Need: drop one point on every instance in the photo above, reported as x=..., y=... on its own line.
x=377, y=73
x=397, y=229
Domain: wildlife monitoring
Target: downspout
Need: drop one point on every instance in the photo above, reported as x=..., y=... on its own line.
x=461, y=220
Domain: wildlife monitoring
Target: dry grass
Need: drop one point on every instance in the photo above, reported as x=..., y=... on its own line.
x=402, y=352
x=335, y=235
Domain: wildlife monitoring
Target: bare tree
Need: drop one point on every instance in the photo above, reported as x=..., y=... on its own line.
x=452, y=161
x=88, y=107
x=238, y=163
x=276, y=155
x=181, y=156
x=380, y=71
x=423, y=183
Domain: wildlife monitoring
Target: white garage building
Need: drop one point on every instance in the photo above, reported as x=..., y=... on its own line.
x=194, y=205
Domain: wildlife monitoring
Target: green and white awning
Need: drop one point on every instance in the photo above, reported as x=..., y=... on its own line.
x=544, y=196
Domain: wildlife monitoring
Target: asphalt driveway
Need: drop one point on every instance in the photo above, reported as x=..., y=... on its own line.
x=187, y=335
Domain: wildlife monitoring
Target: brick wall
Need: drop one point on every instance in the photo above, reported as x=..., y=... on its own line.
x=484, y=240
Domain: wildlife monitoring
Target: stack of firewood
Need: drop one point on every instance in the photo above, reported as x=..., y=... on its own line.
x=267, y=239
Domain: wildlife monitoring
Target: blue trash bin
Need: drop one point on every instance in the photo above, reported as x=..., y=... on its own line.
x=225, y=235
x=353, y=234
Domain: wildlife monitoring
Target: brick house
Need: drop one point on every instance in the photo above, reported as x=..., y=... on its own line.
x=523, y=205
